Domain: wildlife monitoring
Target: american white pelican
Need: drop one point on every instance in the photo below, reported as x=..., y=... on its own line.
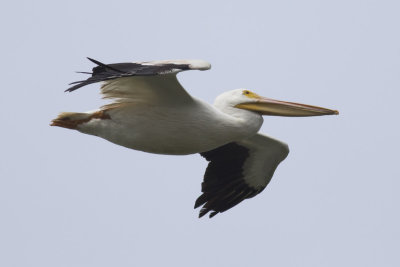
x=152, y=112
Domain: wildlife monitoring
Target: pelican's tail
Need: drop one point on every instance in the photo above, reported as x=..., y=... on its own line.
x=71, y=120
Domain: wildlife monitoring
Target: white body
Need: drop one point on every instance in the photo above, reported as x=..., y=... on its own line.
x=163, y=129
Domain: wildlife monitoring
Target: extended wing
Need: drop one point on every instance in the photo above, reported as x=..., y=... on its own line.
x=142, y=81
x=237, y=171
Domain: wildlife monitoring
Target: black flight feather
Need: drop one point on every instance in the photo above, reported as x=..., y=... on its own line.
x=224, y=185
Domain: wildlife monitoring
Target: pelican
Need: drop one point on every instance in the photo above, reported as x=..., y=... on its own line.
x=152, y=112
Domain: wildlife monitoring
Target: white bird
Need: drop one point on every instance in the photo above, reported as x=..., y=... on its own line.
x=152, y=112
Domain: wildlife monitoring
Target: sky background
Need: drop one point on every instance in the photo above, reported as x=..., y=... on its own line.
x=69, y=199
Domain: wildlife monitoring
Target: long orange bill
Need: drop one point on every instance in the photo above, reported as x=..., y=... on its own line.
x=267, y=106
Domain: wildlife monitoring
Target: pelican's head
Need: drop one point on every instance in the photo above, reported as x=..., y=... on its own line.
x=247, y=100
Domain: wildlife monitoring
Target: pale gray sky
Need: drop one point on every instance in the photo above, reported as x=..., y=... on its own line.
x=68, y=199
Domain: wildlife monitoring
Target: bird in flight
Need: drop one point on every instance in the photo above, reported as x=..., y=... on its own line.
x=152, y=112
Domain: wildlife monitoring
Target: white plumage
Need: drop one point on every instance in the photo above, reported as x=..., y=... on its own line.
x=152, y=112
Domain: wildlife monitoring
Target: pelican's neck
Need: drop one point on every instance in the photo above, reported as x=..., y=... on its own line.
x=245, y=120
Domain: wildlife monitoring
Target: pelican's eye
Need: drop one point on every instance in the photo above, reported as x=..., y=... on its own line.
x=250, y=94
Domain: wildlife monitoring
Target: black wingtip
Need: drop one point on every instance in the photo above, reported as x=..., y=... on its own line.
x=77, y=82
x=212, y=214
x=200, y=201
x=77, y=85
x=202, y=213
x=84, y=72
x=104, y=65
x=96, y=62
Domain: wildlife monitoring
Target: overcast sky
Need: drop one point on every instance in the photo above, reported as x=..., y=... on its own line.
x=69, y=199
